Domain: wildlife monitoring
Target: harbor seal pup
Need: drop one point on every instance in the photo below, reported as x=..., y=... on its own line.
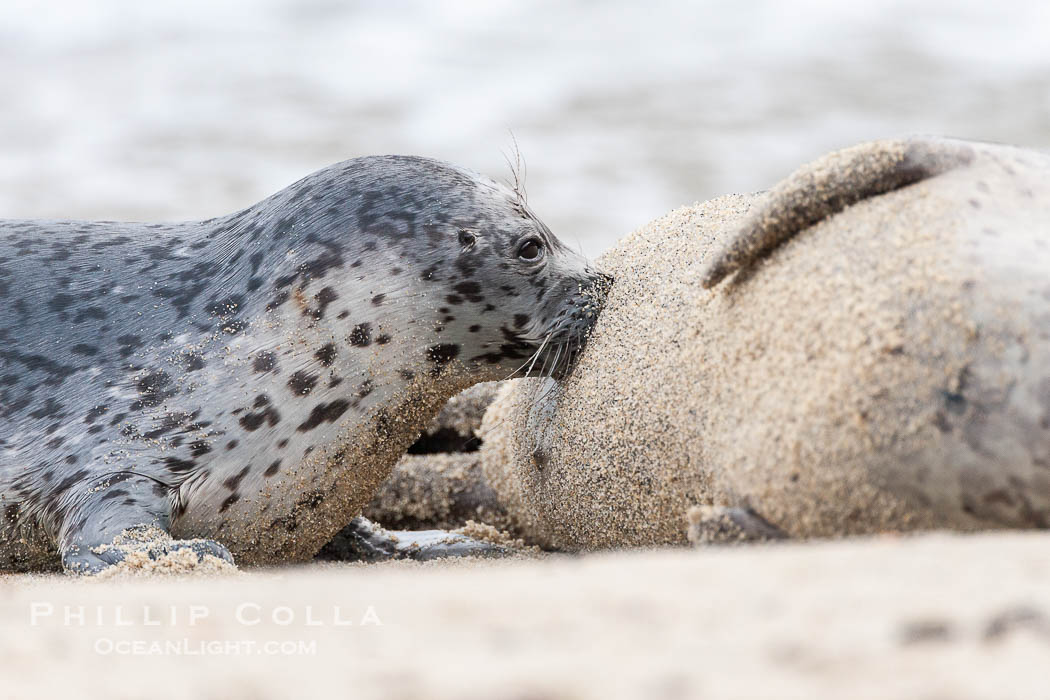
x=879, y=361
x=242, y=385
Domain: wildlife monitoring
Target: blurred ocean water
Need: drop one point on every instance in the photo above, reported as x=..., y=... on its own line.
x=622, y=110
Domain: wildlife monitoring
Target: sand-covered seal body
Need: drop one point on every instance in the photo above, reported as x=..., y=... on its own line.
x=251, y=379
x=878, y=361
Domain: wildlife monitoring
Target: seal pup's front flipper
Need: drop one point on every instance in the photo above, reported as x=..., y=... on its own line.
x=363, y=540
x=827, y=186
x=119, y=514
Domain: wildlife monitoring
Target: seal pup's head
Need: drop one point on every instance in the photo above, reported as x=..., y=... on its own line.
x=433, y=268
x=538, y=297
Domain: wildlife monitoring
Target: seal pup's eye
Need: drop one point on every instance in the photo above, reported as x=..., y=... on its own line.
x=531, y=250
x=466, y=238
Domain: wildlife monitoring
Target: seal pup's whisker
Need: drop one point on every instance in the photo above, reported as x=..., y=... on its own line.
x=554, y=363
x=533, y=358
x=519, y=172
x=546, y=385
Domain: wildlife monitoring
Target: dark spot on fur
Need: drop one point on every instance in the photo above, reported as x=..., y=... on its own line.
x=302, y=383
x=442, y=354
x=96, y=313
x=234, y=481
x=326, y=355
x=361, y=335
x=324, y=413
x=254, y=421
x=264, y=361
x=470, y=290
x=113, y=493
x=191, y=361
x=324, y=297
x=60, y=302
x=154, y=389
x=199, y=448
x=179, y=466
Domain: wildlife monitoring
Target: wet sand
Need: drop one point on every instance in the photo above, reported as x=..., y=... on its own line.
x=929, y=616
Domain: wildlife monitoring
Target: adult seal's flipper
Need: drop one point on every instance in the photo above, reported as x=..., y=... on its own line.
x=826, y=187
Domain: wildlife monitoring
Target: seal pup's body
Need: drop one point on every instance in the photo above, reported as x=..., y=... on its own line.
x=253, y=378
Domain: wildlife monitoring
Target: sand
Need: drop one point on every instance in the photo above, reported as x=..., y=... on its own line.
x=145, y=553
x=936, y=616
x=440, y=484
x=435, y=491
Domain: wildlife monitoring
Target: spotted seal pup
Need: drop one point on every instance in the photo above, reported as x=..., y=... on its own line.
x=242, y=385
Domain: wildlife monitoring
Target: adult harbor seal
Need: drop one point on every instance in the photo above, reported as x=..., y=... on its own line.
x=251, y=379
x=878, y=361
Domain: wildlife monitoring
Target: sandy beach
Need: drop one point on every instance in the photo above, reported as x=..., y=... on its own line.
x=932, y=616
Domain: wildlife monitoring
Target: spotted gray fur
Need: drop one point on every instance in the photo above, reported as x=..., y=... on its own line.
x=187, y=376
